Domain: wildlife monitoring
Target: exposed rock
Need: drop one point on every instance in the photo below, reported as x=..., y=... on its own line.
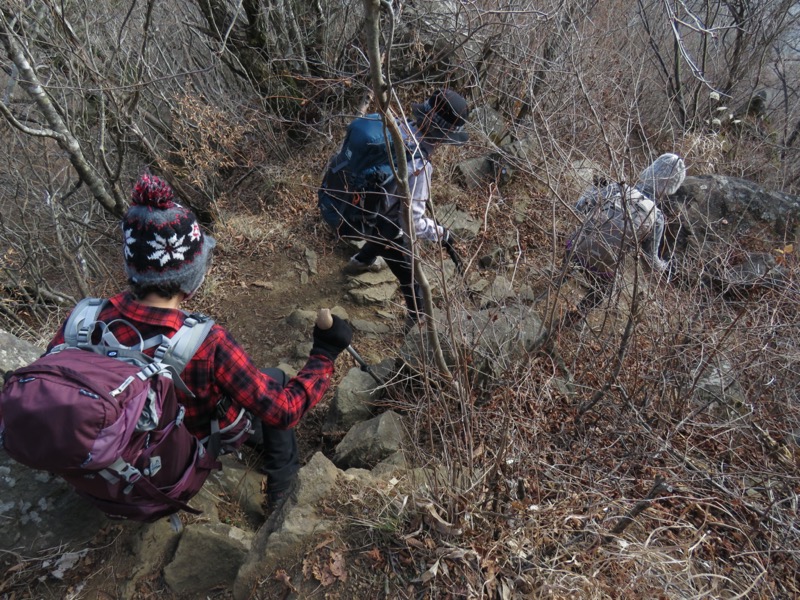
x=583, y=173
x=242, y=485
x=520, y=209
x=341, y=312
x=493, y=258
x=208, y=556
x=301, y=319
x=390, y=465
x=152, y=546
x=725, y=206
x=303, y=349
x=304, y=320
x=433, y=37
x=379, y=294
x=368, y=443
x=370, y=327
x=475, y=172
x=718, y=389
x=16, y=353
x=478, y=286
x=756, y=269
x=370, y=278
x=462, y=224
x=352, y=401
x=500, y=291
x=526, y=293
x=488, y=123
x=311, y=261
x=284, y=536
x=492, y=339
x=519, y=152
x=710, y=214
x=33, y=505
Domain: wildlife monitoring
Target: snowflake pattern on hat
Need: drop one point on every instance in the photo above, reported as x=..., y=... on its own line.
x=129, y=241
x=168, y=249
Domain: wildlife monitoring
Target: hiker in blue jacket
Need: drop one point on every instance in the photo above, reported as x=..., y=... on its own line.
x=438, y=120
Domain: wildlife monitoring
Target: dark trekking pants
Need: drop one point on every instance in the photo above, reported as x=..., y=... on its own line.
x=281, y=461
x=398, y=258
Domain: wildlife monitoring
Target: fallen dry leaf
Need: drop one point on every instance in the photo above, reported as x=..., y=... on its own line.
x=282, y=576
x=375, y=556
x=338, y=566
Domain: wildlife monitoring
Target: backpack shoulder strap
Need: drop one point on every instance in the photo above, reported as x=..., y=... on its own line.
x=81, y=322
x=178, y=350
x=174, y=353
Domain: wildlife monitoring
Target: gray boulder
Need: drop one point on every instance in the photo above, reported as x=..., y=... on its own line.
x=719, y=391
x=208, y=556
x=370, y=442
x=492, y=338
x=712, y=214
x=286, y=534
x=461, y=223
x=434, y=36
x=353, y=401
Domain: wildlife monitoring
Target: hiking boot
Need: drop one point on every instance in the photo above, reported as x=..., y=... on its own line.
x=277, y=495
x=356, y=267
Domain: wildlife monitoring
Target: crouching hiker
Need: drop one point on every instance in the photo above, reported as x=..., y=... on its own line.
x=618, y=219
x=184, y=392
x=359, y=198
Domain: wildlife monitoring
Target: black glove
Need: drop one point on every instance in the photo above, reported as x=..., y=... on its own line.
x=447, y=243
x=333, y=341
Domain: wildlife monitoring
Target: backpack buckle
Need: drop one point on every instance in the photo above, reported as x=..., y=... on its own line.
x=83, y=337
x=181, y=414
x=129, y=473
x=195, y=318
x=121, y=469
x=148, y=371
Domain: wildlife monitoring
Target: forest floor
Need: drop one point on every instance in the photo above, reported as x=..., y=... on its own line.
x=565, y=482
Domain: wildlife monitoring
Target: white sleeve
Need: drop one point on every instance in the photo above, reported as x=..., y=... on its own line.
x=419, y=184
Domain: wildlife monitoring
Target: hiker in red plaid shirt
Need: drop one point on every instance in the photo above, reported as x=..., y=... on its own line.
x=166, y=258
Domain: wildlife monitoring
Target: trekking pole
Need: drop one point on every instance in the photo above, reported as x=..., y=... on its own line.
x=451, y=252
x=325, y=321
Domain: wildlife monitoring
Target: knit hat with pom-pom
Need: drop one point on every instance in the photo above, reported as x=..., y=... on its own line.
x=163, y=243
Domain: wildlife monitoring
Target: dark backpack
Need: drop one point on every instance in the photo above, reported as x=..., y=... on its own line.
x=105, y=417
x=613, y=223
x=360, y=176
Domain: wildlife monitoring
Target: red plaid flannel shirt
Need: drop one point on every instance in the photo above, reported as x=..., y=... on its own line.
x=221, y=369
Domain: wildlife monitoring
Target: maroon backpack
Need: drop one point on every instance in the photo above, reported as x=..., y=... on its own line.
x=105, y=417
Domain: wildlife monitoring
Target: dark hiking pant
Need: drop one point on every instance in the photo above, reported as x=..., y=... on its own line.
x=279, y=446
x=398, y=258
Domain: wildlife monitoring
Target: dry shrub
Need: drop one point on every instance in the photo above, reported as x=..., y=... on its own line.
x=679, y=481
x=702, y=152
x=211, y=139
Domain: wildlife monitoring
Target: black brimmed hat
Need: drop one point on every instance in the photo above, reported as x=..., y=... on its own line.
x=441, y=117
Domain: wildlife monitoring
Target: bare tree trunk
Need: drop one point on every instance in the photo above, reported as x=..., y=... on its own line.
x=59, y=130
x=382, y=95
